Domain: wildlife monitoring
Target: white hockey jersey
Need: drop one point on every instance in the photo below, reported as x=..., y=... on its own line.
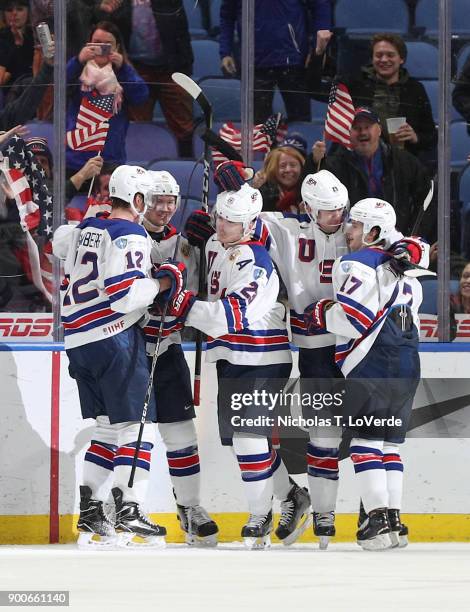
x=244, y=322
x=304, y=256
x=107, y=285
x=365, y=290
x=163, y=247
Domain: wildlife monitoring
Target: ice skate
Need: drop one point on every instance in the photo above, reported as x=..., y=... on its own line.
x=324, y=527
x=198, y=526
x=399, y=533
x=133, y=528
x=94, y=527
x=295, y=518
x=256, y=532
x=374, y=533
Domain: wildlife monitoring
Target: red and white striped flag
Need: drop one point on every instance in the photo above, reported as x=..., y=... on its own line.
x=265, y=135
x=92, y=124
x=339, y=115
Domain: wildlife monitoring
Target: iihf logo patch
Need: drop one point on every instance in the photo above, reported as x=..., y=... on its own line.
x=345, y=266
x=121, y=243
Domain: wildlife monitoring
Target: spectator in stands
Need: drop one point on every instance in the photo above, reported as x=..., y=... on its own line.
x=16, y=43
x=374, y=168
x=462, y=304
x=386, y=86
x=22, y=109
x=281, y=177
x=461, y=93
x=160, y=44
x=282, y=49
x=106, y=74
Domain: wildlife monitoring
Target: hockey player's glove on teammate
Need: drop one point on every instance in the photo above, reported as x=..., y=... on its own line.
x=314, y=315
x=176, y=272
x=406, y=254
x=181, y=305
x=198, y=228
x=230, y=175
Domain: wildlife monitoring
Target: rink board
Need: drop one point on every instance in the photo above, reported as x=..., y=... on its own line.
x=43, y=441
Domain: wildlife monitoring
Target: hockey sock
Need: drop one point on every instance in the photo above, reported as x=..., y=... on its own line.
x=98, y=469
x=254, y=460
x=281, y=482
x=323, y=477
x=394, y=469
x=183, y=460
x=367, y=456
x=122, y=471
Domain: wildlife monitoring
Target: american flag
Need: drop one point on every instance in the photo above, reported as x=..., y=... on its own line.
x=26, y=180
x=339, y=115
x=265, y=135
x=92, y=125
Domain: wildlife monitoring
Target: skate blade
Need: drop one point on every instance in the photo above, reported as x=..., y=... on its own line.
x=257, y=543
x=304, y=524
x=209, y=541
x=87, y=540
x=131, y=540
x=323, y=542
x=395, y=538
x=380, y=542
x=403, y=541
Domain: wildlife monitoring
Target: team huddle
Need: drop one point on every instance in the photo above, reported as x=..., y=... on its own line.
x=130, y=285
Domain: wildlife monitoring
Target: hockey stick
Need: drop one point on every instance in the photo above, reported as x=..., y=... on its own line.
x=199, y=97
x=148, y=393
x=423, y=209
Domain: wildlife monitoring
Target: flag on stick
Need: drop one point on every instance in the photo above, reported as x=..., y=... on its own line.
x=92, y=124
x=339, y=115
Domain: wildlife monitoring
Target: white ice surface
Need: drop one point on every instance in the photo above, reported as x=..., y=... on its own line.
x=229, y=578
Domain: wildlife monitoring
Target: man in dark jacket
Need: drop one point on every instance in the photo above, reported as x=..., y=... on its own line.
x=283, y=30
x=461, y=93
x=387, y=88
x=375, y=169
x=160, y=45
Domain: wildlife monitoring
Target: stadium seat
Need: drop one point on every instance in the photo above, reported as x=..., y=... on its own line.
x=462, y=57
x=42, y=129
x=194, y=15
x=318, y=111
x=432, y=89
x=422, y=60
x=224, y=95
x=215, y=16
x=430, y=290
x=370, y=16
x=147, y=141
x=188, y=175
x=427, y=14
x=206, y=59
x=459, y=144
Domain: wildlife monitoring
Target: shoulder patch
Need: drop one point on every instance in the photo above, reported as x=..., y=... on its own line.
x=234, y=254
x=121, y=243
x=345, y=266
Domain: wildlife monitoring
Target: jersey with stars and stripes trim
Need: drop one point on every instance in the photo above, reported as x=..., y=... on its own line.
x=365, y=290
x=242, y=318
x=107, y=285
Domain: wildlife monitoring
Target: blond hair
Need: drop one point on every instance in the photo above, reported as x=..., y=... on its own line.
x=272, y=161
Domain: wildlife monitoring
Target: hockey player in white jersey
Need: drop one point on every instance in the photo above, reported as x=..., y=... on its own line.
x=374, y=315
x=106, y=290
x=175, y=411
x=247, y=338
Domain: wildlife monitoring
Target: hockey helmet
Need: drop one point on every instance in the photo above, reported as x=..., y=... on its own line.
x=127, y=181
x=163, y=183
x=373, y=212
x=323, y=191
x=242, y=206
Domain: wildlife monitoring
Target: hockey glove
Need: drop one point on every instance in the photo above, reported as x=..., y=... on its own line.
x=181, y=305
x=314, y=315
x=405, y=255
x=176, y=272
x=198, y=228
x=230, y=175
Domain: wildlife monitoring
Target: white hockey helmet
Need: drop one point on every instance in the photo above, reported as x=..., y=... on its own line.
x=323, y=191
x=373, y=212
x=127, y=181
x=163, y=183
x=242, y=206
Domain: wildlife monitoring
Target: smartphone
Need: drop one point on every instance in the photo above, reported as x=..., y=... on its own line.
x=100, y=48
